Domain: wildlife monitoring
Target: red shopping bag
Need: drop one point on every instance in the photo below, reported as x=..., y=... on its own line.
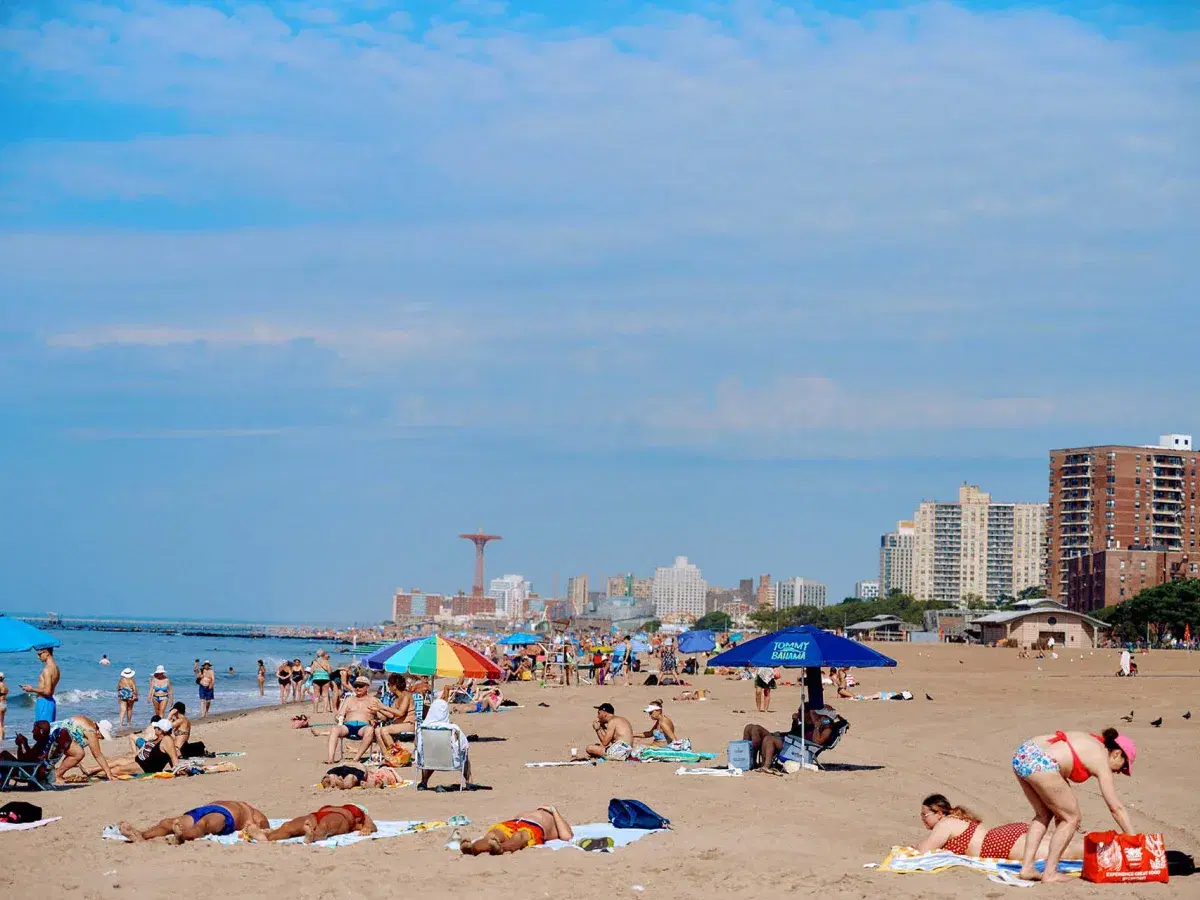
x=1112, y=858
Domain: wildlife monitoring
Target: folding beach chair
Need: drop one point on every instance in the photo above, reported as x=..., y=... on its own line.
x=435, y=752
x=37, y=773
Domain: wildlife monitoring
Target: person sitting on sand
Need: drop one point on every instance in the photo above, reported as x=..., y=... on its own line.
x=766, y=745
x=614, y=733
x=958, y=830
x=527, y=829
x=181, y=726
x=326, y=822
x=1047, y=765
x=356, y=716
x=491, y=701
x=85, y=734
x=154, y=755
x=221, y=817
x=662, y=730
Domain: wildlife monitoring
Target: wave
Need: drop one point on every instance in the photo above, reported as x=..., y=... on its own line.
x=79, y=696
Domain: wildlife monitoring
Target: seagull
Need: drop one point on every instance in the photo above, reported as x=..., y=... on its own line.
x=1156, y=723
x=1128, y=718
x=927, y=697
x=1188, y=714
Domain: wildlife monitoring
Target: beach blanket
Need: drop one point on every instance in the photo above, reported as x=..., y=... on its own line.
x=555, y=763
x=663, y=754
x=186, y=771
x=25, y=826
x=399, y=784
x=706, y=770
x=201, y=760
x=386, y=830
x=621, y=837
x=908, y=860
x=472, y=712
x=883, y=695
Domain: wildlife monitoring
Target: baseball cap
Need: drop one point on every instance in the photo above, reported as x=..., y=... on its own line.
x=653, y=707
x=606, y=707
x=1129, y=748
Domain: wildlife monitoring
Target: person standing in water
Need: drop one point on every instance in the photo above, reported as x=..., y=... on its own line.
x=127, y=696
x=208, y=683
x=45, y=709
x=262, y=679
x=162, y=694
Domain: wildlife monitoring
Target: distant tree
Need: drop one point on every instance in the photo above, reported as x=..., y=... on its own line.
x=716, y=621
x=1033, y=592
x=387, y=622
x=1162, y=611
x=973, y=601
x=652, y=626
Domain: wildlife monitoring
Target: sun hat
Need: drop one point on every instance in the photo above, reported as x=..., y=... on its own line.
x=163, y=725
x=362, y=680
x=127, y=672
x=161, y=670
x=1129, y=748
x=105, y=728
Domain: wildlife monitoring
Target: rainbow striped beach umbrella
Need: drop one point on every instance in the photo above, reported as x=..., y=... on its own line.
x=435, y=655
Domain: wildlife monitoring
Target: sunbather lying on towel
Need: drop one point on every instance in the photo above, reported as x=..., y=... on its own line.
x=220, y=817
x=959, y=830
x=326, y=822
x=527, y=829
x=346, y=777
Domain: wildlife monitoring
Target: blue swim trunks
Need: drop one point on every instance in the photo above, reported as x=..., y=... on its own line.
x=45, y=710
x=201, y=811
x=1030, y=759
x=354, y=730
x=206, y=693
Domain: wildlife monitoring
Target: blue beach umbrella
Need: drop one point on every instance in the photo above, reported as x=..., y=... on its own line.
x=702, y=641
x=518, y=638
x=18, y=636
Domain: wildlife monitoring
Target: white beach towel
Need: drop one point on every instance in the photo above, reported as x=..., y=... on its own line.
x=708, y=770
x=910, y=861
x=386, y=830
x=555, y=764
x=622, y=837
x=25, y=826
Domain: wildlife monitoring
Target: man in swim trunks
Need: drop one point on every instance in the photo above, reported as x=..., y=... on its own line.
x=45, y=709
x=326, y=822
x=527, y=829
x=356, y=716
x=220, y=817
x=208, y=683
x=614, y=733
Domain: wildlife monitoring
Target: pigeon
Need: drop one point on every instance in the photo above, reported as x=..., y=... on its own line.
x=960, y=662
x=1188, y=714
x=1157, y=723
x=927, y=697
x=1128, y=718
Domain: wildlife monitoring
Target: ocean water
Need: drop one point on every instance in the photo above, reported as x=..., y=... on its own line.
x=91, y=689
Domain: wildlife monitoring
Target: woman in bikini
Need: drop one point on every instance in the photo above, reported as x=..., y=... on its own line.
x=262, y=679
x=162, y=695
x=127, y=695
x=326, y=822
x=1046, y=766
x=958, y=830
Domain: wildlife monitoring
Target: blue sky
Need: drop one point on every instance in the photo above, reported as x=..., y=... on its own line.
x=293, y=293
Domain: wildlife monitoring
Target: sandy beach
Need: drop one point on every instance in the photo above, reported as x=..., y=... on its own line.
x=806, y=835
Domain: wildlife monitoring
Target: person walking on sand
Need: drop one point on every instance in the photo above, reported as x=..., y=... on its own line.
x=764, y=683
x=322, y=676
x=127, y=696
x=222, y=817
x=283, y=674
x=627, y=660
x=262, y=679
x=162, y=693
x=208, y=683
x=1045, y=767
x=45, y=708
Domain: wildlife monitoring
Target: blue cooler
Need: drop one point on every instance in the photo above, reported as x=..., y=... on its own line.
x=741, y=755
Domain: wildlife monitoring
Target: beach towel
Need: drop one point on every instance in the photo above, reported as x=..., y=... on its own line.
x=25, y=826
x=708, y=770
x=200, y=760
x=621, y=837
x=185, y=770
x=665, y=754
x=399, y=784
x=566, y=762
x=908, y=860
x=386, y=830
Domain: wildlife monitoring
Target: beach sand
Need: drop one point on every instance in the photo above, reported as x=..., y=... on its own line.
x=806, y=835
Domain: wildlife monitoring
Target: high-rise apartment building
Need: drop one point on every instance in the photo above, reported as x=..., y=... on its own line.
x=678, y=591
x=746, y=589
x=577, y=592
x=866, y=590
x=510, y=593
x=1120, y=497
x=766, y=593
x=799, y=592
x=897, y=559
x=976, y=549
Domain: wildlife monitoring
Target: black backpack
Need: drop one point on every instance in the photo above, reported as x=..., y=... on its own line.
x=20, y=813
x=1179, y=864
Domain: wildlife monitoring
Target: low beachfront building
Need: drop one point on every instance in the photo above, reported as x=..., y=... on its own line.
x=1036, y=625
x=880, y=628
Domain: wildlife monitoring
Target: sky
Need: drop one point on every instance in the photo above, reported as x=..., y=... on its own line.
x=293, y=293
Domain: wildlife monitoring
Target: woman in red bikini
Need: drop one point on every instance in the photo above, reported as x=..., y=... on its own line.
x=1046, y=766
x=326, y=822
x=958, y=830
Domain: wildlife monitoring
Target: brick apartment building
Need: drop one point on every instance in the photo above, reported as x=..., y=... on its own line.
x=1115, y=497
x=1107, y=577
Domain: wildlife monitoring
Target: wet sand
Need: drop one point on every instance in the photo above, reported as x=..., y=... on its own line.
x=806, y=835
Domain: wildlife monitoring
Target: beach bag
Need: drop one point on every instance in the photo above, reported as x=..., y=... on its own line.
x=634, y=814
x=20, y=813
x=1112, y=858
x=741, y=755
x=398, y=757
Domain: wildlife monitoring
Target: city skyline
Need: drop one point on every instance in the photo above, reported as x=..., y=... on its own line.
x=295, y=293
